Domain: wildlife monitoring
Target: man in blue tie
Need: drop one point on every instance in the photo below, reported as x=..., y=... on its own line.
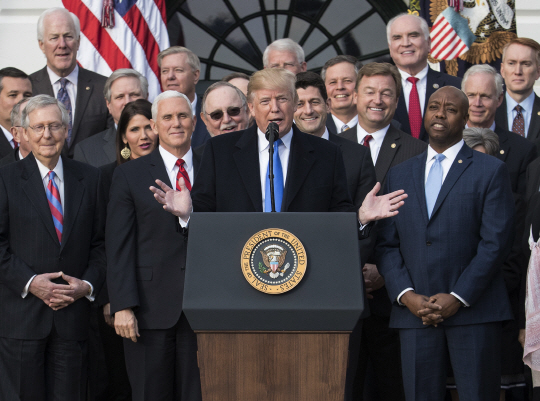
x=441, y=259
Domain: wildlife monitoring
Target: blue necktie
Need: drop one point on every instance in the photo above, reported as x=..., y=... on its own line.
x=55, y=204
x=63, y=97
x=278, y=182
x=434, y=183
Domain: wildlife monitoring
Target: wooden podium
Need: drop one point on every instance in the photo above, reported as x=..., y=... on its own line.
x=257, y=346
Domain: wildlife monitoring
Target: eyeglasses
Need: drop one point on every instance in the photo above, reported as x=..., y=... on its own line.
x=53, y=127
x=218, y=114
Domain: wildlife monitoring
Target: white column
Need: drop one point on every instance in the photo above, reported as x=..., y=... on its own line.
x=528, y=20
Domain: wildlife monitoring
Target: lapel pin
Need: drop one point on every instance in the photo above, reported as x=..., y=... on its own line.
x=539, y=113
x=436, y=86
x=502, y=152
x=393, y=145
x=460, y=161
x=87, y=88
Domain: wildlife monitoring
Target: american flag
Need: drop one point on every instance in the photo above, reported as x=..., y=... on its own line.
x=137, y=35
x=450, y=35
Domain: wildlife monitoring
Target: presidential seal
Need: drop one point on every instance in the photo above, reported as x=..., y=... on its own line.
x=273, y=261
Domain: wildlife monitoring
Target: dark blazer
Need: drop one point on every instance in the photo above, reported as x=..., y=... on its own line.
x=533, y=134
x=200, y=134
x=331, y=125
x=462, y=246
x=29, y=245
x=532, y=178
x=98, y=150
x=229, y=178
x=91, y=113
x=145, y=245
x=11, y=157
x=5, y=146
x=435, y=80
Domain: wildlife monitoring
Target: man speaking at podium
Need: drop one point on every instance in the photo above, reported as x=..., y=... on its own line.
x=309, y=174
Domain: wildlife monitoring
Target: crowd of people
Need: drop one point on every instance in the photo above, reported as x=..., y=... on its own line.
x=97, y=187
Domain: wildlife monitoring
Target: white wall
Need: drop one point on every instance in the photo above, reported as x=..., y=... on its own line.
x=528, y=20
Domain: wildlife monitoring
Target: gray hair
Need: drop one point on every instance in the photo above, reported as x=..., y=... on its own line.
x=41, y=21
x=192, y=58
x=40, y=102
x=484, y=69
x=15, y=116
x=167, y=95
x=222, y=84
x=482, y=136
x=423, y=26
x=338, y=60
x=284, y=45
x=125, y=73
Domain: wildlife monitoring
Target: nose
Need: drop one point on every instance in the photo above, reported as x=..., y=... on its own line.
x=61, y=41
x=307, y=108
x=144, y=133
x=476, y=101
x=519, y=69
x=175, y=121
x=377, y=98
x=170, y=75
x=340, y=84
x=274, y=105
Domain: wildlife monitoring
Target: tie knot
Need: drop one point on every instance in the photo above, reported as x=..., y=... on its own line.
x=179, y=162
x=518, y=108
x=413, y=80
x=439, y=157
x=63, y=82
x=51, y=175
x=368, y=138
x=344, y=128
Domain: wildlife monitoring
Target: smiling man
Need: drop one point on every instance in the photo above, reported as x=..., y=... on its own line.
x=409, y=44
x=80, y=90
x=285, y=53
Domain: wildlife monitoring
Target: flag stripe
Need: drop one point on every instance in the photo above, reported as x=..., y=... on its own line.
x=141, y=31
x=442, y=36
x=449, y=46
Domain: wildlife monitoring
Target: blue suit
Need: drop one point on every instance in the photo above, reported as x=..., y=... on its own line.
x=461, y=249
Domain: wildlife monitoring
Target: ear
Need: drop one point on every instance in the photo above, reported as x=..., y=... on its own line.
x=25, y=135
x=251, y=112
x=154, y=127
x=327, y=103
x=197, y=75
x=41, y=46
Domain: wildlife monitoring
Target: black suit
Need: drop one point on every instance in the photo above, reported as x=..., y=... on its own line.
x=5, y=146
x=11, y=157
x=200, y=133
x=29, y=245
x=533, y=134
x=435, y=80
x=98, y=150
x=532, y=180
x=91, y=113
x=146, y=255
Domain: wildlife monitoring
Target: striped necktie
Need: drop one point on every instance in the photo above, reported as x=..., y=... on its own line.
x=55, y=204
x=63, y=97
x=182, y=173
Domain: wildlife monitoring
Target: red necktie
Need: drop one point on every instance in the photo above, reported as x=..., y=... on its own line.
x=415, y=113
x=55, y=204
x=518, y=126
x=367, y=138
x=182, y=173
x=15, y=144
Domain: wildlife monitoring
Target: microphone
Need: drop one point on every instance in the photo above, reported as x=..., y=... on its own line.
x=272, y=132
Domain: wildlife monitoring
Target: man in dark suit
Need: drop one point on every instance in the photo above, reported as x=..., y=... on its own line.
x=14, y=86
x=441, y=259
x=23, y=149
x=520, y=69
x=52, y=262
x=80, y=90
x=409, y=44
x=180, y=70
x=146, y=251
x=123, y=86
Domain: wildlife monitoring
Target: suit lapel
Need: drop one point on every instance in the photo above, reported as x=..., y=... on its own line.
x=246, y=158
x=389, y=148
x=73, y=194
x=41, y=83
x=461, y=162
x=501, y=118
x=109, y=150
x=157, y=168
x=504, y=143
x=402, y=115
x=419, y=172
x=84, y=92
x=350, y=134
x=32, y=185
x=330, y=124
x=534, y=127
x=301, y=160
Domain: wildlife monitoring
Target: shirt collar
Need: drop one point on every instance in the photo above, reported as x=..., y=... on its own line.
x=377, y=135
x=326, y=135
x=527, y=104
x=58, y=169
x=450, y=153
x=7, y=133
x=72, y=77
x=492, y=127
x=170, y=160
x=263, y=143
x=340, y=123
x=421, y=75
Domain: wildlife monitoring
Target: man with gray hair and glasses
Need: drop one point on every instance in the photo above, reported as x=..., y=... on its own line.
x=52, y=262
x=79, y=90
x=123, y=86
x=285, y=53
x=23, y=148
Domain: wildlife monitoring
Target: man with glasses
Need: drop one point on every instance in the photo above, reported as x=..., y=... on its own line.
x=224, y=109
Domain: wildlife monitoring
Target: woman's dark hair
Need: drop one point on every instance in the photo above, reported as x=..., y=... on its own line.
x=139, y=106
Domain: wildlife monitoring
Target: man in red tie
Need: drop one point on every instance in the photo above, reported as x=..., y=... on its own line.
x=409, y=44
x=52, y=262
x=146, y=255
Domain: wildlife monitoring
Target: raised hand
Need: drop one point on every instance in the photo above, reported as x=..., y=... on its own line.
x=175, y=202
x=380, y=207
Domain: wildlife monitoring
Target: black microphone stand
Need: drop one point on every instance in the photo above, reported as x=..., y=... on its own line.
x=272, y=133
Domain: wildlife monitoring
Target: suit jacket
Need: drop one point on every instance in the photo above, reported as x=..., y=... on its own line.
x=200, y=133
x=532, y=178
x=11, y=157
x=462, y=246
x=435, y=80
x=229, y=178
x=533, y=134
x=29, y=245
x=91, y=113
x=98, y=150
x=5, y=146
x=145, y=245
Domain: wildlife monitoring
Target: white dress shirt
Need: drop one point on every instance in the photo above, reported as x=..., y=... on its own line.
x=446, y=163
x=420, y=87
x=284, y=149
x=375, y=143
x=326, y=134
x=8, y=136
x=526, y=105
x=172, y=170
x=340, y=124
x=71, y=87
x=59, y=181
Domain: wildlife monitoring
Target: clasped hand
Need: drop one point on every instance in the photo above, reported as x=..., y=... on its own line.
x=432, y=310
x=58, y=296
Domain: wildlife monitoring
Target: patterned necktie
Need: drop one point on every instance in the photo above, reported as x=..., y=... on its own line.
x=182, y=173
x=278, y=182
x=367, y=138
x=415, y=113
x=63, y=97
x=55, y=204
x=518, y=126
x=434, y=183
x=345, y=128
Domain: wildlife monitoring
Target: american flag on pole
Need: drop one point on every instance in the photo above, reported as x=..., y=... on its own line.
x=137, y=35
x=450, y=35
